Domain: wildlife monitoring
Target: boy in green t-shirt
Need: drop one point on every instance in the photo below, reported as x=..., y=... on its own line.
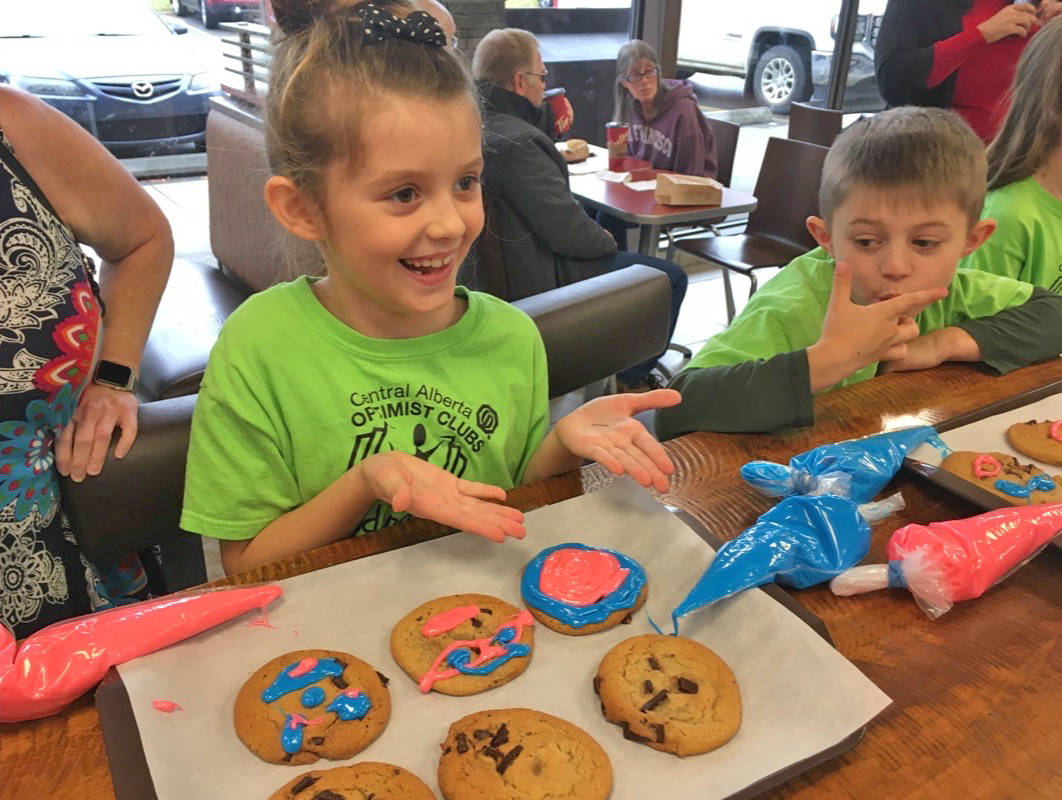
x=901, y=198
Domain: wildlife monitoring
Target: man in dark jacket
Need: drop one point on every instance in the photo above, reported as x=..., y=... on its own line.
x=546, y=238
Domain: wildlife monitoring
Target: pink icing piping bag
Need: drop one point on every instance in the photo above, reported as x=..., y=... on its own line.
x=58, y=664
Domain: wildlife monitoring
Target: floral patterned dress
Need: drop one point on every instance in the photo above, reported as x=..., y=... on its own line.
x=49, y=324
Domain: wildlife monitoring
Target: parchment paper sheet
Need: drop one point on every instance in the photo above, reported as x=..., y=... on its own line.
x=989, y=434
x=800, y=695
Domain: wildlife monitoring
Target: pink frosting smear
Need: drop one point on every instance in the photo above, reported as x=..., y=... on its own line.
x=53, y=667
x=986, y=467
x=580, y=578
x=165, y=706
x=303, y=667
x=448, y=620
x=485, y=649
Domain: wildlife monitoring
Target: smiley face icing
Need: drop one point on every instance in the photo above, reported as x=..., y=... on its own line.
x=311, y=704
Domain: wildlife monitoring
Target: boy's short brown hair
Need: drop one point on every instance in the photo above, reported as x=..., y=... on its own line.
x=930, y=151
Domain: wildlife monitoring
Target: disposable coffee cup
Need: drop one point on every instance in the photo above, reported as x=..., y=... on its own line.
x=616, y=134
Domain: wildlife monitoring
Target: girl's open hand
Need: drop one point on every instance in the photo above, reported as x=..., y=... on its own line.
x=430, y=492
x=604, y=430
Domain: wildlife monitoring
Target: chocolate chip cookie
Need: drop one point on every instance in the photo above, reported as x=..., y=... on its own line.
x=670, y=693
x=463, y=644
x=1039, y=440
x=577, y=590
x=1004, y=476
x=519, y=753
x=311, y=704
x=368, y=779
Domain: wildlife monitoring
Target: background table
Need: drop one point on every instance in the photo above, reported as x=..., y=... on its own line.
x=978, y=693
x=641, y=208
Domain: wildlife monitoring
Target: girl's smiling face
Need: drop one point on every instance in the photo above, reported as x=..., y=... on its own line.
x=398, y=223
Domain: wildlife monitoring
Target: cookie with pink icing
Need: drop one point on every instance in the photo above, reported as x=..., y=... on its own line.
x=1005, y=476
x=1041, y=441
x=577, y=589
x=463, y=644
x=311, y=704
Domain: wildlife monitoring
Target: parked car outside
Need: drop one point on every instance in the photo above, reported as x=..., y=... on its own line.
x=115, y=68
x=783, y=49
x=211, y=12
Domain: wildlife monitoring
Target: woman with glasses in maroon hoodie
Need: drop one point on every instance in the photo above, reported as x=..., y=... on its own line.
x=667, y=128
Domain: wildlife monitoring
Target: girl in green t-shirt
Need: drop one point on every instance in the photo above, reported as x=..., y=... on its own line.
x=373, y=137
x=1025, y=172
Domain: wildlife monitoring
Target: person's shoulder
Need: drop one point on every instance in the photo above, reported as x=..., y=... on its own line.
x=503, y=131
x=262, y=317
x=495, y=312
x=811, y=273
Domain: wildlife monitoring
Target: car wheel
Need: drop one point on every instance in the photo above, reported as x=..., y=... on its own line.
x=178, y=8
x=782, y=77
x=209, y=16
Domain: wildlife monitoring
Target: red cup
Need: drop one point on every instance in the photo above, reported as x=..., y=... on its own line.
x=561, y=110
x=616, y=134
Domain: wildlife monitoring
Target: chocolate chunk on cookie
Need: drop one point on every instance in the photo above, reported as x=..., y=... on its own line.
x=1005, y=476
x=694, y=704
x=463, y=644
x=365, y=779
x=577, y=589
x=541, y=756
x=311, y=704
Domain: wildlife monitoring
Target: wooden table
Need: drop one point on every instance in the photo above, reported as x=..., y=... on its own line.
x=641, y=208
x=977, y=710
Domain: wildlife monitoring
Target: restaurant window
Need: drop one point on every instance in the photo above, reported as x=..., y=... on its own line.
x=749, y=62
x=136, y=74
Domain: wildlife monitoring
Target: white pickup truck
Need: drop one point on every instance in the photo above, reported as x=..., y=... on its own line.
x=783, y=49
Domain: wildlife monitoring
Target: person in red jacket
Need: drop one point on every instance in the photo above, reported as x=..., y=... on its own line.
x=957, y=54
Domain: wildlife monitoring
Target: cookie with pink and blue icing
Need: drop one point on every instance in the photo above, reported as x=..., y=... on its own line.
x=463, y=643
x=577, y=589
x=311, y=704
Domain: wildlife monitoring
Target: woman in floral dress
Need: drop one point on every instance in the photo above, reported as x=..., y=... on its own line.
x=59, y=187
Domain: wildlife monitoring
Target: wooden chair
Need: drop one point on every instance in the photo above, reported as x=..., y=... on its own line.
x=815, y=125
x=787, y=193
x=726, y=139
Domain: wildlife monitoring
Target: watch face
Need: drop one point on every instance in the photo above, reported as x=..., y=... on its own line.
x=116, y=374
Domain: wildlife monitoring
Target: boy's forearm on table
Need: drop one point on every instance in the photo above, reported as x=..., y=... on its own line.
x=754, y=396
x=1022, y=335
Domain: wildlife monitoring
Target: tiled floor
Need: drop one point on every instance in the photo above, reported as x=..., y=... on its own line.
x=184, y=201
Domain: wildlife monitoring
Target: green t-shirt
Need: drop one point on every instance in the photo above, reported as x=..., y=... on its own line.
x=1028, y=242
x=786, y=315
x=292, y=398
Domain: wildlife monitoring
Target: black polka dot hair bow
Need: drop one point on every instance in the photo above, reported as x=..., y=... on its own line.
x=420, y=27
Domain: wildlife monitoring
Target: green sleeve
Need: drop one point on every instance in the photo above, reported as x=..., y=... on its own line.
x=750, y=397
x=237, y=479
x=539, y=424
x=1020, y=335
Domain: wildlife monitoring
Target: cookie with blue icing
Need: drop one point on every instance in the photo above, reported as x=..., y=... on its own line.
x=311, y=704
x=1005, y=476
x=462, y=644
x=577, y=589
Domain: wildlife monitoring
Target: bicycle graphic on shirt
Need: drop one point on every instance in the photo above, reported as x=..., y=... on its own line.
x=452, y=457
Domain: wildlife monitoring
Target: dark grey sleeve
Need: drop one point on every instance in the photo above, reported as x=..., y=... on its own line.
x=1022, y=335
x=752, y=397
x=530, y=180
